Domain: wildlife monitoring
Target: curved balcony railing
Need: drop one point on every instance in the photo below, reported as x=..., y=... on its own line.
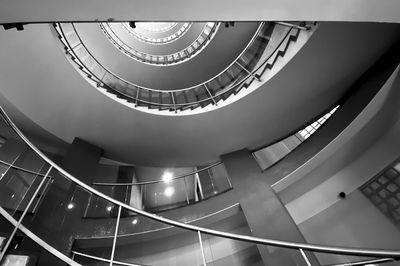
x=238, y=75
x=156, y=41
x=64, y=182
x=185, y=54
x=190, y=188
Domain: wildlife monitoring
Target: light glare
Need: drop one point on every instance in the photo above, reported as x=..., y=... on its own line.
x=167, y=177
x=169, y=191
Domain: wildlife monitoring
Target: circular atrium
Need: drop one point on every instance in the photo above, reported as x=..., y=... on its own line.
x=257, y=134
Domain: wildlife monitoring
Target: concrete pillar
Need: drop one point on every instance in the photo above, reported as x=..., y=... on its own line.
x=267, y=217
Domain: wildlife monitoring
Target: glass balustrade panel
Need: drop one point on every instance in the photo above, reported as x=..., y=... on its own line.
x=169, y=246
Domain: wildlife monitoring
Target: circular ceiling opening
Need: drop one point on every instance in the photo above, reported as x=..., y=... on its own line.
x=131, y=37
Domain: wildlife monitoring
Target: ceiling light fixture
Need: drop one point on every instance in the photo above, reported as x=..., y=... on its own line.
x=169, y=191
x=167, y=176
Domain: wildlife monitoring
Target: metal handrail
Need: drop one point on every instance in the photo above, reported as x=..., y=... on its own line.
x=225, y=90
x=363, y=262
x=155, y=181
x=381, y=253
x=106, y=260
x=235, y=205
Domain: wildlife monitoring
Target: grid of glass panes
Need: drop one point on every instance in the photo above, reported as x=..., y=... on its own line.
x=310, y=129
x=384, y=192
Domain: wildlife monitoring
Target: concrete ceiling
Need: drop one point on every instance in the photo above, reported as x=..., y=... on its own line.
x=206, y=10
x=39, y=81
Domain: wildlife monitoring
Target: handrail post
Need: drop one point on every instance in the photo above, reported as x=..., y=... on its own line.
x=186, y=191
x=211, y=96
x=202, y=249
x=173, y=100
x=115, y=236
x=247, y=71
x=196, y=196
x=3, y=252
x=9, y=167
x=305, y=257
x=23, y=197
x=137, y=96
x=199, y=184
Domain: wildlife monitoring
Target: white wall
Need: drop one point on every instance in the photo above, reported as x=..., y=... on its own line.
x=353, y=222
x=325, y=219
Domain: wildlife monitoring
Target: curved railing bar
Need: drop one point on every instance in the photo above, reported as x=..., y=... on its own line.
x=105, y=260
x=220, y=93
x=141, y=56
x=37, y=239
x=156, y=181
x=362, y=262
x=381, y=253
x=24, y=170
x=157, y=90
x=153, y=41
x=166, y=227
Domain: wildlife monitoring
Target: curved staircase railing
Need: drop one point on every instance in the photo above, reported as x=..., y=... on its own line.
x=18, y=221
x=185, y=54
x=196, y=186
x=162, y=40
x=249, y=65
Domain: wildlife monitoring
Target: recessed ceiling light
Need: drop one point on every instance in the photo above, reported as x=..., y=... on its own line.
x=70, y=206
x=134, y=221
x=109, y=208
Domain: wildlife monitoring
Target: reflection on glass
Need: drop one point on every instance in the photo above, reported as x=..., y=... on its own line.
x=268, y=156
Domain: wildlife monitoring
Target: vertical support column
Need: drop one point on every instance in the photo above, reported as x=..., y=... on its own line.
x=266, y=215
x=199, y=186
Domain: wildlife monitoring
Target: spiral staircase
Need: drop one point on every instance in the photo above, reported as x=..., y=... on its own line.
x=109, y=223
x=247, y=67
